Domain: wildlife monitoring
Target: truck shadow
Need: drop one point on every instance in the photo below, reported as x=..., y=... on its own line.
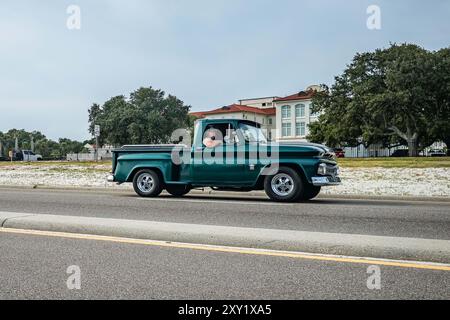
x=318, y=201
x=401, y=202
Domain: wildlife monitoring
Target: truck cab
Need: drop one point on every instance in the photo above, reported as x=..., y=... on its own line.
x=227, y=155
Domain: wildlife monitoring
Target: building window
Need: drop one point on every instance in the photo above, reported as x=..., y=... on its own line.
x=286, y=130
x=270, y=121
x=269, y=104
x=300, y=129
x=300, y=111
x=264, y=104
x=286, y=112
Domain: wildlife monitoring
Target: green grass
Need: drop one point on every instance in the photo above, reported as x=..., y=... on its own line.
x=421, y=162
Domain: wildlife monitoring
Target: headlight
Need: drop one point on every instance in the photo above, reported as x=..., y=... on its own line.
x=322, y=170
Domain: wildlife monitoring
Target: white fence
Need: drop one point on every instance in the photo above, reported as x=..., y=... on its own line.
x=88, y=156
x=379, y=151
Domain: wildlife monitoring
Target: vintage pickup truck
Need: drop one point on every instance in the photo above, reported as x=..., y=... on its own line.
x=229, y=155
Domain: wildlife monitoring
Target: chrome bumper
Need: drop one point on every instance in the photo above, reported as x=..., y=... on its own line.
x=110, y=178
x=325, y=181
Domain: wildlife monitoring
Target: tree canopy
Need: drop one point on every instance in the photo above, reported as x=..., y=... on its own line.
x=47, y=148
x=398, y=95
x=147, y=116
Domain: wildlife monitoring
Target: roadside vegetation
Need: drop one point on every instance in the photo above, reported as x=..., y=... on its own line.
x=38, y=142
x=394, y=96
x=105, y=166
x=418, y=162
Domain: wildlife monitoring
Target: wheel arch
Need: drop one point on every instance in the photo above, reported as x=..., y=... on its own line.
x=295, y=166
x=154, y=168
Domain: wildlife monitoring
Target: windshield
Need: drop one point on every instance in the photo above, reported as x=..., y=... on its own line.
x=252, y=133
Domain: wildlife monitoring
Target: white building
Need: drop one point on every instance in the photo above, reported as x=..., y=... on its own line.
x=262, y=103
x=263, y=115
x=293, y=115
x=284, y=118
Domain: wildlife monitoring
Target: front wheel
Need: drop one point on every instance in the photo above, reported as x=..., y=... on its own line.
x=147, y=183
x=178, y=190
x=286, y=185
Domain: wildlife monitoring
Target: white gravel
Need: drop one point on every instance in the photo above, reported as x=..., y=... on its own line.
x=428, y=182
x=56, y=176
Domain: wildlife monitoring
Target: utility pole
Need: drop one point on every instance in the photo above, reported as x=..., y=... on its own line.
x=32, y=143
x=97, y=134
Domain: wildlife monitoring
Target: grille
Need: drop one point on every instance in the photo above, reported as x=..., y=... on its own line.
x=332, y=171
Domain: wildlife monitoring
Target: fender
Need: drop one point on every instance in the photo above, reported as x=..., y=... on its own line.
x=130, y=163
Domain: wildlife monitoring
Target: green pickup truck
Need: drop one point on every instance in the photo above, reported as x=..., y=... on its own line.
x=228, y=155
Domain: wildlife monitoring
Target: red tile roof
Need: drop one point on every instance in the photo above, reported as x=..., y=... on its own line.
x=236, y=108
x=302, y=95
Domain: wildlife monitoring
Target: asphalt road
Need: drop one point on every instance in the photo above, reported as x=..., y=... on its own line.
x=416, y=219
x=34, y=266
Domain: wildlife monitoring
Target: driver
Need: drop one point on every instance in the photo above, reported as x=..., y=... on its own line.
x=213, y=138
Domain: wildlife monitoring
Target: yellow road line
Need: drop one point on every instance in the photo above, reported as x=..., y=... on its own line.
x=249, y=251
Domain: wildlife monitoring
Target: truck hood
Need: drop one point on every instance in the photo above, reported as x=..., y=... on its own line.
x=307, y=148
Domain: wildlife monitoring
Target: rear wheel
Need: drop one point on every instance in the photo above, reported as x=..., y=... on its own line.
x=310, y=192
x=147, y=183
x=178, y=190
x=286, y=185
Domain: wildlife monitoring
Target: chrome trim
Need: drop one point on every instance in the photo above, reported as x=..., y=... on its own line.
x=110, y=178
x=326, y=181
x=282, y=184
x=145, y=182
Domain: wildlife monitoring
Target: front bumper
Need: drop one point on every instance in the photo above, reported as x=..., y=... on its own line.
x=325, y=181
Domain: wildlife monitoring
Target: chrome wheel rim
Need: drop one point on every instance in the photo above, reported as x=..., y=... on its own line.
x=145, y=182
x=282, y=184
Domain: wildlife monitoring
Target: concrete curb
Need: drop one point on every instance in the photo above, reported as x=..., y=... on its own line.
x=314, y=242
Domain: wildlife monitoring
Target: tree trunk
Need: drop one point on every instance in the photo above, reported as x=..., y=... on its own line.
x=412, y=147
x=410, y=137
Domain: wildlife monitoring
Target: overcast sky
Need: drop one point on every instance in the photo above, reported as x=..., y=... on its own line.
x=209, y=53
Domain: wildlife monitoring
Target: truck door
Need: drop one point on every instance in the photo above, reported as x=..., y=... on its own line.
x=214, y=162
x=256, y=148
